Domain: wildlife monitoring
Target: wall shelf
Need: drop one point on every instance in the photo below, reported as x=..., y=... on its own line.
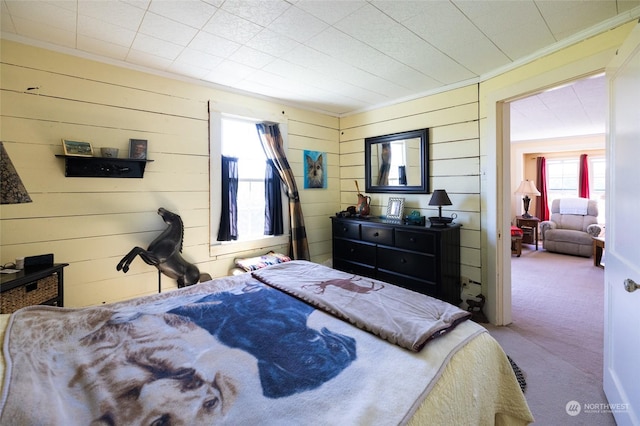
x=103, y=167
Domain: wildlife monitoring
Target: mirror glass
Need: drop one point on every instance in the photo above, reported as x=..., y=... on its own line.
x=397, y=162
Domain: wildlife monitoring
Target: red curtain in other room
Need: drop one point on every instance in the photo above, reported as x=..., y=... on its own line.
x=583, y=181
x=542, y=205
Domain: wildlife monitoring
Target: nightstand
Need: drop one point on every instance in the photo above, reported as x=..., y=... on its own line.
x=529, y=226
x=32, y=286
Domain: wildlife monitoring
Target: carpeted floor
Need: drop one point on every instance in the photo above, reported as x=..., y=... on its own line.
x=556, y=337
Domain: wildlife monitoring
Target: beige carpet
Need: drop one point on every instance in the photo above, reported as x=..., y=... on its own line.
x=557, y=334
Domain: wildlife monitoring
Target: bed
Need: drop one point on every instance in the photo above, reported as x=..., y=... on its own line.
x=290, y=344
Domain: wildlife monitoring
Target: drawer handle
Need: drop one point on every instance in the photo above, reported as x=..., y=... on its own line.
x=31, y=287
x=376, y=234
x=344, y=229
x=413, y=240
x=352, y=250
x=403, y=260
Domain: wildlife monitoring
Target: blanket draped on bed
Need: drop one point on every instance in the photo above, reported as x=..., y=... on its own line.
x=230, y=351
x=401, y=316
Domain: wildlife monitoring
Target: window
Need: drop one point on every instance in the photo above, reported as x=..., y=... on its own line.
x=562, y=180
x=236, y=136
x=597, y=184
x=240, y=140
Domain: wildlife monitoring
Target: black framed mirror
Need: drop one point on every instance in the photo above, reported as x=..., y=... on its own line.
x=397, y=163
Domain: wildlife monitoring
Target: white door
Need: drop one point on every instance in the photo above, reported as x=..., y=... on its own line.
x=622, y=306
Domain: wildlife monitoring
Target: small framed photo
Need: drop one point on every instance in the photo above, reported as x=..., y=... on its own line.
x=138, y=149
x=395, y=209
x=76, y=148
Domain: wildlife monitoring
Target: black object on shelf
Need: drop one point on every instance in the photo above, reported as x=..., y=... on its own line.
x=103, y=167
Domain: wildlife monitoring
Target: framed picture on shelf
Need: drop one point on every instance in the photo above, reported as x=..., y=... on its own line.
x=138, y=149
x=77, y=148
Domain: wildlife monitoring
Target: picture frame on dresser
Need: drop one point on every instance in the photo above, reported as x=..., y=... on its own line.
x=395, y=208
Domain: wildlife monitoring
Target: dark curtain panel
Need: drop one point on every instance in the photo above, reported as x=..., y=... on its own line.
x=583, y=180
x=273, y=147
x=273, y=224
x=542, y=204
x=229, y=217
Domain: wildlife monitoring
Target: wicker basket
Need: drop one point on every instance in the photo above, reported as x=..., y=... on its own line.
x=34, y=293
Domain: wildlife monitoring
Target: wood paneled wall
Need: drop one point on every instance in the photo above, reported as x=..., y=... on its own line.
x=454, y=152
x=91, y=223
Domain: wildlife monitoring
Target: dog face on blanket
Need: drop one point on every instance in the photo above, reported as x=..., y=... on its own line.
x=139, y=378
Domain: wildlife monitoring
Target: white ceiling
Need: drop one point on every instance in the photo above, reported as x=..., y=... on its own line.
x=575, y=109
x=335, y=56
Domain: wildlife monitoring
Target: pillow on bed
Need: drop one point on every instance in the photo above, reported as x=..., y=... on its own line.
x=253, y=263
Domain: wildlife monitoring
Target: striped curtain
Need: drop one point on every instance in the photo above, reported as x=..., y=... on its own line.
x=542, y=204
x=583, y=180
x=273, y=147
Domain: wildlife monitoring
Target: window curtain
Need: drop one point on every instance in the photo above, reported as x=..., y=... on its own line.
x=273, y=147
x=583, y=180
x=228, y=229
x=542, y=204
x=272, y=201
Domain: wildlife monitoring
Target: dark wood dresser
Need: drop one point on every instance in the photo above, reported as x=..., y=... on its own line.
x=423, y=259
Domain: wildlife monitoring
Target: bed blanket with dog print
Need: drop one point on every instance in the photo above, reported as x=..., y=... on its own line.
x=230, y=351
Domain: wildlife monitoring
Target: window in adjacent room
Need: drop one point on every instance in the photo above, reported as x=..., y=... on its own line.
x=562, y=180
x=597, y=184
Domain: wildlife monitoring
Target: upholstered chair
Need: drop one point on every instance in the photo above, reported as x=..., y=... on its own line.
x=571, y=227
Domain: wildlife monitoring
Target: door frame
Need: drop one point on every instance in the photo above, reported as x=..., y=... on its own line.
x=496, y=189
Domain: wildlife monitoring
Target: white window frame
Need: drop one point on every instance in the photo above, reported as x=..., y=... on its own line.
x=574, y=194
x=216, y=113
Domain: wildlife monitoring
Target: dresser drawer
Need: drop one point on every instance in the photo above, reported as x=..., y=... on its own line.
x=354, y=251
x=346, y=230
x=407, y=263
x=429, y=288
x=354, y=268
x=377, y=235
x=417, y=241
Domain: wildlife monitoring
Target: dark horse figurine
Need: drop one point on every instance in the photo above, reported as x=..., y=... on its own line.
x=165, y=253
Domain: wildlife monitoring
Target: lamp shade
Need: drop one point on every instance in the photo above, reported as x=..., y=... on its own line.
x=527, y=187
x=439, y=198
x=12, y=189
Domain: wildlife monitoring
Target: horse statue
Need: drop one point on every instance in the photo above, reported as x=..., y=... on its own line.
x=165, y=253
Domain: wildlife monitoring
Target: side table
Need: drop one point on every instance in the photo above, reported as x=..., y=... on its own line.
x=598, y=248
x=32, y=286
x=529, y=226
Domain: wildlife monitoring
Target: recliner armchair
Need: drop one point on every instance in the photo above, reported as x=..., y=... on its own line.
x=570, y=228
